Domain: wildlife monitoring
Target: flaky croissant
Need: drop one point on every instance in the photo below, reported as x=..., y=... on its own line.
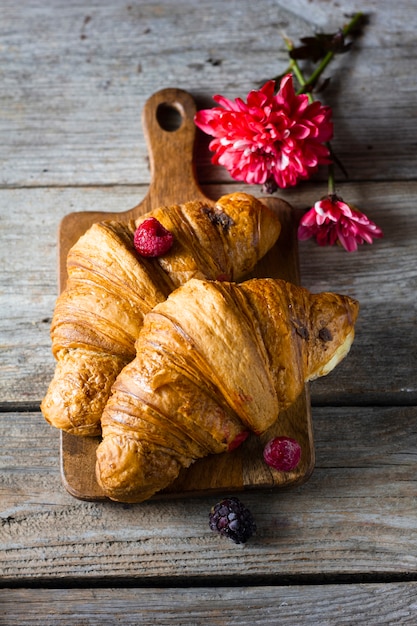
x=110, y=288
x=214, y=361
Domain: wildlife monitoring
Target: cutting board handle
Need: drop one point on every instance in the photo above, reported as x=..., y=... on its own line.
x=169, y=129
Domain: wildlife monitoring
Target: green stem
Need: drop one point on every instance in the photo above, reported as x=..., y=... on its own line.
x=297, y=70
x=330, y=180
x=308, y=84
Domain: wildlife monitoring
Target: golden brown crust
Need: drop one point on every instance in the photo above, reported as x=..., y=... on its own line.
x=77, y=405
x=110, y=288
x=212, y=362
x=309, y=330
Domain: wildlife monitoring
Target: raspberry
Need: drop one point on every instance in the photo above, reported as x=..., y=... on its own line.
x=151, y=239
x=238, y=440
x=232, y=519
x=282, y=453
x=223, y=278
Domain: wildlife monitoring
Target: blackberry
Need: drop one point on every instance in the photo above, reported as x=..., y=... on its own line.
x=232, y=519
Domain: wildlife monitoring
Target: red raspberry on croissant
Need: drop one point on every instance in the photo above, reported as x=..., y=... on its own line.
x=110, y=288
x=213, y=361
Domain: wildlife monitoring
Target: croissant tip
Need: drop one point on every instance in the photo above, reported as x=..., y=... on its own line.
x=340, y=353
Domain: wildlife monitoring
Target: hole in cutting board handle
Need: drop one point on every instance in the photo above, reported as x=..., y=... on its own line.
x=169, y=116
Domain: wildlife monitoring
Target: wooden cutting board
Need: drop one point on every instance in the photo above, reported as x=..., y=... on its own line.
x=168, y=123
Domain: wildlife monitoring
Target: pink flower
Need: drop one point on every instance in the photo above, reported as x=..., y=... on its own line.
x=333, y=221
x=274, y=139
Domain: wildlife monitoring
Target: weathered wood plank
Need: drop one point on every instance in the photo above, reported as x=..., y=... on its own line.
x=383, y=277
x=75, y=79
x=354, y=517
x=28, y=259
x=330, y=605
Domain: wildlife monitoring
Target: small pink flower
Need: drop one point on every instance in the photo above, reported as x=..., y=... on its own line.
x=273, y=139
x=332, y=220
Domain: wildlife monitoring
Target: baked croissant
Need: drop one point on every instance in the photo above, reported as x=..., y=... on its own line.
x=110, y=288
x=214, y=361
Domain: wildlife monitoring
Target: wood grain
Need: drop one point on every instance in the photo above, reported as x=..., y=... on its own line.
x=171, y=151
x=354, y=517
x=75, y=78
x=354, y=604
x=383, y=277
x=169, y=129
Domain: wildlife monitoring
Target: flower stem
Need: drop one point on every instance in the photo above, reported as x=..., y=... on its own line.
x=297, y=71
x=330, y=180
x=307, y=85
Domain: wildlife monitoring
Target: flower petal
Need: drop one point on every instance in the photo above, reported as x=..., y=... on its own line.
x=332, y=220
x=269, y=136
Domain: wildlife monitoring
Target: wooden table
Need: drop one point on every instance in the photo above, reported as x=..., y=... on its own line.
x=342, y=548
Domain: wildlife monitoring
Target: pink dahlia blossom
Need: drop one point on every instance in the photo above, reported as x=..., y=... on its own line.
x=333, y=221
x=273, y=139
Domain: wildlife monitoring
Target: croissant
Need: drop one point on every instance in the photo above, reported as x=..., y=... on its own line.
x=213, y=362
x=110, y=288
